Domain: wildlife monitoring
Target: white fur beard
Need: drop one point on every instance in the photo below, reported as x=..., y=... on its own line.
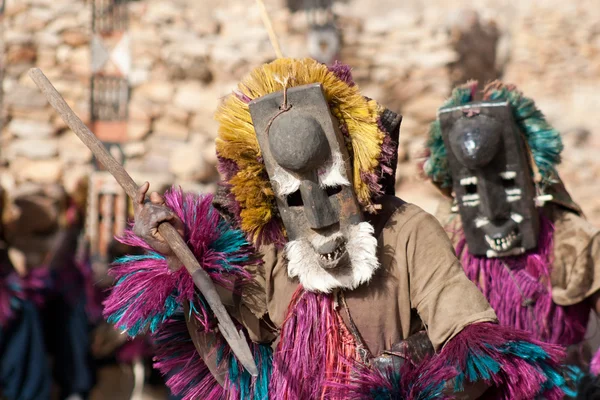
x=303, y=262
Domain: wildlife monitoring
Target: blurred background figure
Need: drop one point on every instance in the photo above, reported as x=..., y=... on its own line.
x=323, y=39
x=23, y=370
x=40, y=233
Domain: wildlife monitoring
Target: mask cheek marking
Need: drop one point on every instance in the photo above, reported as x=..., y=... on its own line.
x=479, y=222
x=470, y=200
x=513, y=195
x=334, y=172
x=508, y=175
x=286, y=182
x=472, y=180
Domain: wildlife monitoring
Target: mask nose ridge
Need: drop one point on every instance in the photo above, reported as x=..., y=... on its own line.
x=317, y=207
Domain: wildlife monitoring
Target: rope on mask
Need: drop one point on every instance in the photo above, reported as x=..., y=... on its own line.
x=284, y=107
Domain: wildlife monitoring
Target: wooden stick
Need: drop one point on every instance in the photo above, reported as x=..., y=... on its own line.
x=235, y=339
x=269, y=27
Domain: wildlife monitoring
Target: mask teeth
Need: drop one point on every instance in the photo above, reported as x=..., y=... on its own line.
x=501, y=244
x=331, y=256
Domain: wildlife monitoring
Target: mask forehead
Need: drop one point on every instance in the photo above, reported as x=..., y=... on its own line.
x=476, y=141
x=302, y=149
x=491, y=178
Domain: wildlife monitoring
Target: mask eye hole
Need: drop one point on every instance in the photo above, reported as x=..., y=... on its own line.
x=471, y=188
x=508, y=183
x=295, y=199
x=333, y=190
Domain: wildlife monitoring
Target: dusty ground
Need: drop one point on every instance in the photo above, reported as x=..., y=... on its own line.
x=116, y=383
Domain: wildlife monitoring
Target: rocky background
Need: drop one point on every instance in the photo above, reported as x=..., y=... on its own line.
x=188, y=54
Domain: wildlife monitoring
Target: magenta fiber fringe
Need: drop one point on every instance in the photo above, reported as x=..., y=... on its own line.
x=534, y=310
x=408, y=383
x=313, y=348
x=595, y=364
x=514, y=366
x=177, y=359
x=343, y=72
x=147, y=292
x=11, y=295
x=15, y=289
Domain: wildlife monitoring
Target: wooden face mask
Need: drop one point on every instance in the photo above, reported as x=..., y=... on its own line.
x=492, y=180
x=307, y=163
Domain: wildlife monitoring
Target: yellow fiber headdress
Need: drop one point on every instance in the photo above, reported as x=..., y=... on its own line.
x=251, y=198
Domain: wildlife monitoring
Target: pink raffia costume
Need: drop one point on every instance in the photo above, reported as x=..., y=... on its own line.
x=520, y=237
x=334, y=280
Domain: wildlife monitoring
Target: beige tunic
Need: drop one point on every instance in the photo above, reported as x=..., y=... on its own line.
x=420, y=283
x=575, y=272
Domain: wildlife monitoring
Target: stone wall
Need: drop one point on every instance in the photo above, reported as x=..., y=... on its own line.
x=188, y=54
x=54, y=36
